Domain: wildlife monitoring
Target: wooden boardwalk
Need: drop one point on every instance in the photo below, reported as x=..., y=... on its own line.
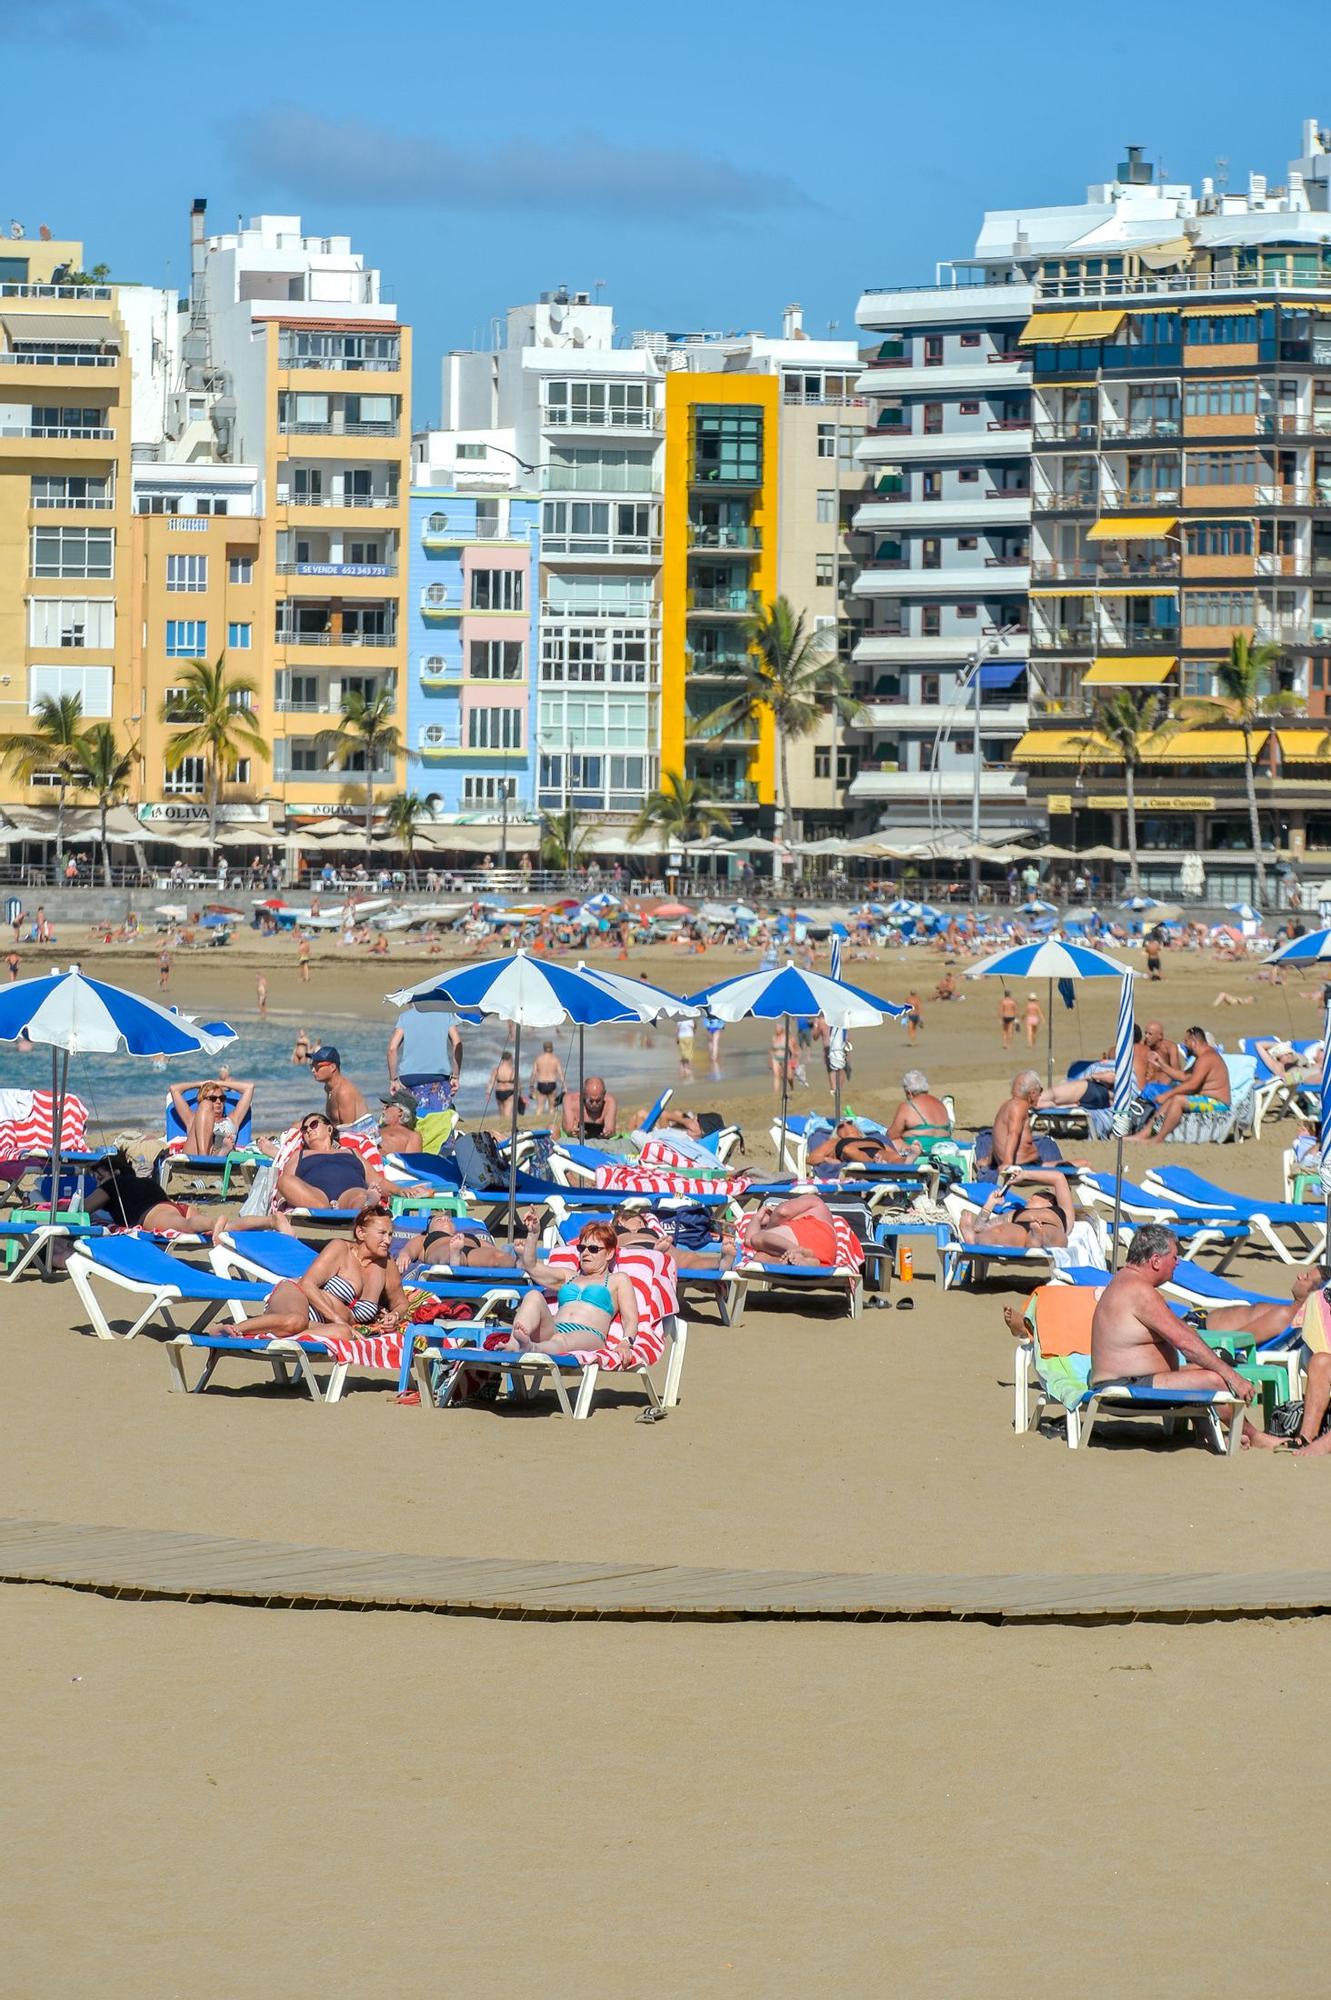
x=156, y=1563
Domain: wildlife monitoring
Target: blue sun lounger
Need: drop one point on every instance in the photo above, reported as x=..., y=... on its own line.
x=1189, y=1192
x=1203, y=1409
x=141, y=1270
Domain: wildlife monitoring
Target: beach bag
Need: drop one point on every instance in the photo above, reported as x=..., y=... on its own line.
x=478, y=1159
x=263, y=1189
x=1285, y=1419
x=691, y=1227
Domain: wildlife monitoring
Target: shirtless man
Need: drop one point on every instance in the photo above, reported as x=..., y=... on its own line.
x=1205, y=1087
x=1042, y=1220
x=598, y=1109
x=397, y=1127
x=1264, y=1323
x=1013, y=1143
x=1094, y=1091
x=547, y=1076
x=1135, y=1338
x=344, y=1104
x=1164, y=1058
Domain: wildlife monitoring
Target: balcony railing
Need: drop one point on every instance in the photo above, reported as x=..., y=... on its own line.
x=56, y=431
x=639, y=548
x=336, y=427
x=1062, y=569
x=742, y=730
x=378, y=364
x=1064, y=638
x=1064, y=431
x=8, y=291
x=486, y=529
x=743, y=602
x=733, y=791
x=708, y=535
x=286, y=636
x=77, y=357
x=1136, y=636
x=101, y=502
x=1120, y=430
x=287, y=498
x=722, y=665
x=1108, y=572
x=615, y=420
x=1009, y=423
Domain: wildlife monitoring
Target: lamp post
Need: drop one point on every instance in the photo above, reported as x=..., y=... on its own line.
x=986, y=650
x=504, y=784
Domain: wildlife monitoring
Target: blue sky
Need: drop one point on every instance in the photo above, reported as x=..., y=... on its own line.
x=708, y=162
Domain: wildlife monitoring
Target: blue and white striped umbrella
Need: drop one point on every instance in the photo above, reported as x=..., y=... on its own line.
x=530, y=992
x=1324, y=1122
x=768, y=996
x=1049, y=960
x=1035, y=906
x=836, y=1037
x=641, y=1000
x=1310, y=949
x=838, y=932
x=89, y=1017
x=1125, y=1080
x=1244, y=912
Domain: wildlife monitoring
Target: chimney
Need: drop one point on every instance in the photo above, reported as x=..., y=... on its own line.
x=1134, y=171
x=792, y=323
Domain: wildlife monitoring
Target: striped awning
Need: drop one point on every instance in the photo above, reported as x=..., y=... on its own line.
x=1132, y=528
x=1045, y=326
x=1137, y=589
x=1095, y=325
x=1221, y=312
x=1062, y=590
x=1129, y=670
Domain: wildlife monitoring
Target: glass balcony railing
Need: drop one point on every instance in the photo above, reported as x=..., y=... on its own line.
x=722, y=535
x=743, y=603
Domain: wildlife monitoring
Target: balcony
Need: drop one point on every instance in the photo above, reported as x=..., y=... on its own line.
x=439, y=534
x=997, y=440
x=1062, y=638
x=439, y=740
x=904, y=510
x=894, y=646
x=384, y=569
x=966, y=582
x=556, y=418
x=718, y=665
x=705, y=536
x=896, y=712
x=907, y=377
x=97, y=433
x=1115, y=429
x=442, y=670
x=1060, y=430
x=283, y=773
x=88, y=503
x=1138, y=638
x=709, y=602
x=286, y=497
x=602, y=607
x=338, y=427
x=73, y=357
x=730, y=791
x=882, y=783
x=1110, y=570
x=602, y=548
x=742, y=730
x=435, y=602
x=14, y=291
x=287, y=635
x=708, y=478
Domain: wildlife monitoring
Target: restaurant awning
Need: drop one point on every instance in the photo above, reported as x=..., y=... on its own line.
x=1220, y=312
x=1045, y=326
x=62, y=329
x=1132, y=528
x=1201, y=746
x=1307, y=746
x=1062, y=746
x=1129, y=670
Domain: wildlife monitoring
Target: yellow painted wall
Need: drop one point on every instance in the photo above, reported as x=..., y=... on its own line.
x=683, y=392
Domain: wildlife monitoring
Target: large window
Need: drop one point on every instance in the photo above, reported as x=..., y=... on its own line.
x=598, y=527
x=494, y=729
x=188, y=775
x=496, y=659
x=1222, y=330
x=614, y=655
x=240, y=569
x=186, y=638
x=485, y=789
x=497, y=590
x=338, y=350
x=628, y=404
x=72, y=621
x=1219, y=538
x=68, y=420
x=599, y=469
x=728, y=446
x=594, y=596
x=74, y=489
x=91, y=685
x=1224, y=468
x=1220, y=399
x=73, y=552
x=239, y=636
x=1219, y=607
x=187, y=572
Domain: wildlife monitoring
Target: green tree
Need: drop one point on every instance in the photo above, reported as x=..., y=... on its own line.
x=215, y=714
x=55, y=742
x=406, y=812
x=682, y=809
x=107, y=770
x=563, y=837
x=794, y=676
x=1131, y=723
x=1246, y=696
x=368, y=730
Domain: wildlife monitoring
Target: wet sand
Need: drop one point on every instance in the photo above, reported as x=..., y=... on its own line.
x=210, y=1800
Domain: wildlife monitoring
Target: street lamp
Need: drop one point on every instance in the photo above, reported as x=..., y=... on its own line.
x=504, y=795
x=982, y=652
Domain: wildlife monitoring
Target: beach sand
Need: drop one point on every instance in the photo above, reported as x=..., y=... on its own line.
x=217, y=1800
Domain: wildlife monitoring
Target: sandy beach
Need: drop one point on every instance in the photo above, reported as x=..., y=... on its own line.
x=207, y=1799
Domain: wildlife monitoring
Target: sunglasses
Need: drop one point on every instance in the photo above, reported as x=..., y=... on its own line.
x=315, y=1125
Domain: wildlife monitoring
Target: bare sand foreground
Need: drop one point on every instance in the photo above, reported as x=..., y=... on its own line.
x=209, y=1800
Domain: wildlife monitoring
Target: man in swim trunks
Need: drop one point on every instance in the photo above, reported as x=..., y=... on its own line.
x=796, y=1231
x=1014, y=1144
x=1263, y=1322
x=547, y=1077
x=343, y=1102
x=1204, y=1088
x=1136, y=1340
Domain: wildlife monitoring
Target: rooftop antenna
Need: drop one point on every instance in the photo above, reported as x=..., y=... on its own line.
x=834, y=326
x=1222, y=173
x=598, y=286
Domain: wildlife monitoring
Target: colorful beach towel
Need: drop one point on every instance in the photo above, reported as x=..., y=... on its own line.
x=27, y=1123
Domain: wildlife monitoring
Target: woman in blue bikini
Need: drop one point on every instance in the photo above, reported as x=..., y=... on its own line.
x=352, y=1284
x=585, y=1306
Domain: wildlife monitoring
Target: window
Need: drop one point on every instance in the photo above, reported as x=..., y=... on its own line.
x=826, y=505
x=599, y=469
x=302, y=691
x=472, y=451
x=931, y=486
x=933, y=419
x=1225, y=330
x=847, y=766
x=1219, y=607
x=599, y=527
x=615, y=655
x=72, y=552
x=822, y=761
x=970, y=340
x=186, y=638
x=933, y=350
x=827, y=441
x=239, y=637
x=1220, y=538
x=824, y=569
x=337, y=350
x=187, y=572
x=240, y=569
x=212, y=503
x=968, y=409
x=1195, y=677
x=68, y=420
x=625, y=403
x=931, y=621
x=69, y=490
x=496, y=589
x=485, y=789
x=157, y=503
x=92, y=686
x=929, y=690
x=72, y=621
x=728, y=445
x=967, y=542
x=496, y=659
x=188, y=775
x=1220, y=399
x=239, y=772
x=966, y=473
x=967, y=610
x=304, y=755
x=494, y=729
x=1224, y=468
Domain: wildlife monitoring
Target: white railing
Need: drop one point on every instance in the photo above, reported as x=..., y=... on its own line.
x=1182, y=283
x=99, y=500
x=54, y=431
x=603, y=608
x=8, y=291
x=286, y=498
x=617, y=420
x=78, y=358
x=638, y=547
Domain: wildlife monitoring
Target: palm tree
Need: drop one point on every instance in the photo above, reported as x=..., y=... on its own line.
x=563, y=837
x=405, y=812
x=1244, y=698
x=217, y=710
x=56, y=742
x=683, y=810
x=1131, y=723
x=794, y=675
x=107, y=770
x=368, y=729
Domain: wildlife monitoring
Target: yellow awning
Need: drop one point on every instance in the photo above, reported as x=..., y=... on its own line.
x=1132, y=528
x=1219, y=312
x=1129, y=670
x=1045, y=326
x=1137, y=589
x=1061, y=746
x=1161, y=256
x=1095, y=325
x=1062, y=590
x=1306, y=745
x=1202, y=746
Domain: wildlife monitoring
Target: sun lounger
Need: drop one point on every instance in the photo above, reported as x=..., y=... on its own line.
x=844, y=1280
x=1196, y=1231
x=1273, y=1093
x=1270, y=1222
x=290, y=1361
x=140, y=1270
x=203, y=1169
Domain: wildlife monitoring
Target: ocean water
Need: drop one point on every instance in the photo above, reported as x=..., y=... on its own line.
x=122, y=1091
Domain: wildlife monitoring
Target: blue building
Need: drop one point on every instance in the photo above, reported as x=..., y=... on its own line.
x=472, y=618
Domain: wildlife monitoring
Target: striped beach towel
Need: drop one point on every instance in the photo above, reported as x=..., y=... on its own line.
x=849, y=1254
x=27, y=1123
x=631, y=1178
x=288, y=1146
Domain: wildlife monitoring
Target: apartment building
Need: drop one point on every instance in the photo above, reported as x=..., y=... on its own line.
x=1182, y=495
x=586, y=418
x=731, y=549
x=473, y=602
x=65, y=491
x=943, y=582
x=304, y=371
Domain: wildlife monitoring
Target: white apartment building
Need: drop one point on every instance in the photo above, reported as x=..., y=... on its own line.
x=585, y=416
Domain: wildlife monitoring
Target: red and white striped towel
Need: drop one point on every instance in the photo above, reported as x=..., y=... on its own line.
x=27, y=1123
x=849, y=1255
x=633, y=1179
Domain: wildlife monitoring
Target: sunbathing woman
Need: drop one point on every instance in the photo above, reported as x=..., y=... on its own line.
x=209, y=1126
x=846, y=1144
x=585, y=1306
x=125, y=1199
x=325, y=1174
x=352, y=1283
x=446, y=1240
x=796, y=1231
x=639, y=1230
x=1040, y=1220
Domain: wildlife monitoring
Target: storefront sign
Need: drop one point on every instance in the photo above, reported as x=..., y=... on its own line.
x=1117, y=802
x=179, y=812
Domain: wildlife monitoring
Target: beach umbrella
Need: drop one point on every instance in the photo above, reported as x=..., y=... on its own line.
x=774, y=994
x=1140, y=903
x=1244, y=912
x=1324, y=1118
x=529, y=992
x=1310, y=949
x=74, y=1015
x=836, y=1037
x=640, y=1001
x=1049, y=960
x=1035, y=906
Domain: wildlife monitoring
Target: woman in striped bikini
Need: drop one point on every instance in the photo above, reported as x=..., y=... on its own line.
x=351, y=1283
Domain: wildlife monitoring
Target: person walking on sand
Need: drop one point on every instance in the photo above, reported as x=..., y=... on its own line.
x=163, y=969
x=914, y=1018
x=1034, y=1020
x=1007, y=1018
x=684, y=1034
x=303, y=960
x=13, y=963
x=261, y=993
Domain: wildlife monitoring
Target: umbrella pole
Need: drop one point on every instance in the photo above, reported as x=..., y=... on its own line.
x=582, y=1085
x=513, y=1136
x=58, y=1091
x=1049, y=1034
x=1118, y=1201
x=785, y=1090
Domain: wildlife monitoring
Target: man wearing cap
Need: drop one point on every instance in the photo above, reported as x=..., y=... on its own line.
x=344, y=1104
x=424, y=1047
x=397, y=1127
